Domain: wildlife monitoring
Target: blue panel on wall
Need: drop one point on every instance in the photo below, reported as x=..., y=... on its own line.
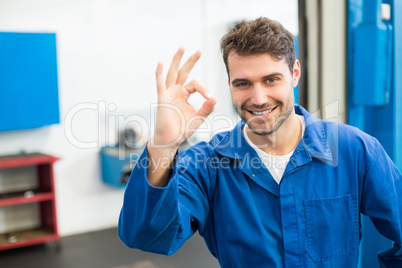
x=28, y=81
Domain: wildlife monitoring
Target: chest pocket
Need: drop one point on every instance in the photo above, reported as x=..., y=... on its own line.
x=332, y=226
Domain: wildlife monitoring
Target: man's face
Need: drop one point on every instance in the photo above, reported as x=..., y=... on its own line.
x=262, y=90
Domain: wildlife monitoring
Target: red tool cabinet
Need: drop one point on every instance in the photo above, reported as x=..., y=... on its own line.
x=43, y=195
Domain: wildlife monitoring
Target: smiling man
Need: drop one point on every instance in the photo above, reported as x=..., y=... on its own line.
x=282, y=189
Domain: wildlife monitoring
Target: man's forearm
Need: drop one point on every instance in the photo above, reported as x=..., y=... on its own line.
x=160, y=159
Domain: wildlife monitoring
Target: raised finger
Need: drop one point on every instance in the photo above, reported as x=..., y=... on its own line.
x=195, y=86
x=172, y=74
x=160, y=85
x=187, y=67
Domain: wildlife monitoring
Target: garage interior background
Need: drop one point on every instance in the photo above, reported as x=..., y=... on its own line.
x=107, y=53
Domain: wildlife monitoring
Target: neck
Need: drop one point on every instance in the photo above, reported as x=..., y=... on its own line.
x=283, y=141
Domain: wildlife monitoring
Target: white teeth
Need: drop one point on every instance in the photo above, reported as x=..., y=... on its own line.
x=264, y=112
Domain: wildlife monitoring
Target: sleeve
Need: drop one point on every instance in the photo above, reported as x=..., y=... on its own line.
x=382, y=201
x=160, y=220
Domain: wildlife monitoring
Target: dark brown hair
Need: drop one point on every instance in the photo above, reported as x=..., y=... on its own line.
x=260, y=36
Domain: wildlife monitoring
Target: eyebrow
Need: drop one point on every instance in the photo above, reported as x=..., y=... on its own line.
x=239, y=80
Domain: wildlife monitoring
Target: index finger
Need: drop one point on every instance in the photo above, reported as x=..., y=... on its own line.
x=195, y=86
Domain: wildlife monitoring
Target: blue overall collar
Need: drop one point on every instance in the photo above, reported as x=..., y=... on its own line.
x=314, y=142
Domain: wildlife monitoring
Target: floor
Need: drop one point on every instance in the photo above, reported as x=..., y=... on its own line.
x=103, y=249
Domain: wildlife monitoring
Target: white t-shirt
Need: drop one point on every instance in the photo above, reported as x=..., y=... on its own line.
x=276, y=164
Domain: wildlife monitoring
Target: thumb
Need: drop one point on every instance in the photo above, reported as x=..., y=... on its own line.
x=207, y=107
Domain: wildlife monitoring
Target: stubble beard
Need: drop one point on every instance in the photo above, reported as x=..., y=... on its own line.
x=267, y=127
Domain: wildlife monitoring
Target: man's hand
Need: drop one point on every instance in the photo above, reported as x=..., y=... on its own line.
x=176, y=119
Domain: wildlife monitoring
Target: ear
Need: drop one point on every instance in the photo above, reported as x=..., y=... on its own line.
x=296, y=73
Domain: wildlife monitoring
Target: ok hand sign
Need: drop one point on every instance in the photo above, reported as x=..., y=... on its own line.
x=176, y=119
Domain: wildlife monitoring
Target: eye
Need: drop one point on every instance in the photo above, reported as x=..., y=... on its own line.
x=271, y=80
x=241, y=84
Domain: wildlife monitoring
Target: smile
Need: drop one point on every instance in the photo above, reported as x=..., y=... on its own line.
x=262, y=112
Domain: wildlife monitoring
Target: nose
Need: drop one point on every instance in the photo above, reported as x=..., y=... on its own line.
x=259, y=96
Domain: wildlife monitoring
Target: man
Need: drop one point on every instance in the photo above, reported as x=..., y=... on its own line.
x=282, y=189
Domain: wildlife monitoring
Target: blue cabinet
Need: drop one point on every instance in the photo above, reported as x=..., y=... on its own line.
x=28, y=81
x=375, y=91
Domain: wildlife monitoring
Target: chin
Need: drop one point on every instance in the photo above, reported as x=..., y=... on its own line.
x=261, y=132
x=266, y=129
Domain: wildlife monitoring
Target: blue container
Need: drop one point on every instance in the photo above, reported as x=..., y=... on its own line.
x=117, y=164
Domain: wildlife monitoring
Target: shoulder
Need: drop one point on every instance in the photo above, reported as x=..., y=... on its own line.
x=333, y=132
x=348, y=133
x=351, y=138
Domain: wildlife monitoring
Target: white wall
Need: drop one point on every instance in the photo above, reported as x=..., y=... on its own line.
x=107, y=54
